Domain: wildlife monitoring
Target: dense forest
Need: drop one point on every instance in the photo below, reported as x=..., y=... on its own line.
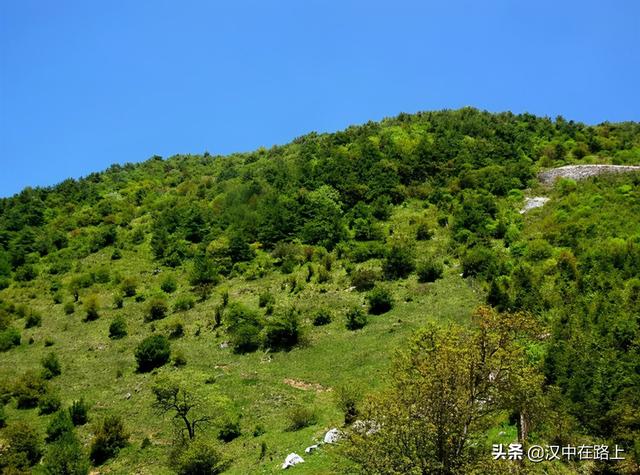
x=203, y=314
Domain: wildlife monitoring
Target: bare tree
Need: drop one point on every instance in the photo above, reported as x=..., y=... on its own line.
x=183, y=403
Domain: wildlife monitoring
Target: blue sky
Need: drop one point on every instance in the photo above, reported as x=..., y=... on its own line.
x=84, y=84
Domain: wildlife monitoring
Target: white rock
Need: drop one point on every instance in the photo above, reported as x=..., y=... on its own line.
x=291, y=460
x=311, y=448
x=366, y=427
x=332, y=436
x=224, y=344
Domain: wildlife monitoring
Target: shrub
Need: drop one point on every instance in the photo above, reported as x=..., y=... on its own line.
x=200, y=457
x=110, y=436
x=69, y=308
x=399, y=261
x=175, y=329
x=184, y=303
x=479, y=261
x=179, y=359
x=300, y=417
x=57, y=298
x=230, y=430
x=59, y=425
x=429, y=271
x=380, y=300
x=118, y=328
x=118, y=300
x=51, y=366
x=28, y=390
x=3, y=417
x=91, y=308
x=9, y=338
x=364, y=279
x=78, y=412
x=169, y=284
x=423, y=233
x=33, y=320
x=153, y=352
x=356, y=319
x=283, y=333
x=23, y=442
x=322, y=317
x=66, y=457
x=265, y=299
x=48, y=342
x=347, y=399
x=244, y=328
x=156, y=310
x=129, y=286
x=48, y=404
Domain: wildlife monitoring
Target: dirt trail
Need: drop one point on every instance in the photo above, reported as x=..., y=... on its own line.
x=579, y=172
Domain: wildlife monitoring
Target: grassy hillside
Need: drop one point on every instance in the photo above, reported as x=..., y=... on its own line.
x=424, y=208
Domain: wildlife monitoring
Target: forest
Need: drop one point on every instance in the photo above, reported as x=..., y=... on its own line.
x=208, y=314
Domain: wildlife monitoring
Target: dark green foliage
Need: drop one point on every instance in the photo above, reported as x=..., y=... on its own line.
x=33, y=319
x=51, y=366
x=118, y=328
x=283, y=331
x=24, y=447
x=9, y=338
x=69, y=308
x=66, y=457
x=116, y=255
x=26, y=273
x=28, y=390
x=110, y=437
x=78, y=412
x=179, y=359
x=152, y=352
x=322, y=317
x=204, y=271
x=355, y=319
x=169, y=284
x=3, y=416
x=156, y=310
x=300, y=417
x=199, y=458
x=479, y=261
x=380, y=300
x=399, y=261
x=429, y=271
x=183, y=303
x=348, y=398
x=244, y=327
x=364, y=279
x=59, y=425
x=175, y=329
x=118, y=300
x=230, y=430
x=91, y=307
x=129, y=286
x=423, y=233
x=266, y=299
x=48, y=404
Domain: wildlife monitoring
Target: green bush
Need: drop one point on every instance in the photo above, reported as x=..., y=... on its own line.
x=429, y=271
x=479, y=261
x=65, y=456
x=117, y=328
x=179, y=359
x=118, y=300
x=322, y=317
x=355, y=319
x=33, y=320
x=69, y=308
x=380, y=300
x=175, y=329
x=51, y=366
x=364, y=279
x=78, y=412
x=24, y=445
x=9, y=338
x=199, y=458
x=48, y=404
x=230, y=430
x=169, y=284
x=300, y=417
x=265, y=299
x=156, y=310
x=59, y=425
x=283, y=332
x=129, y=286
x=3, y=417
x=91, y=307
x=110, y=437
x=423, y=233
x=399, y=261
x=347, y=399
x=28, y=390
x=153, y=352
x=184, y=303
x=244, y=327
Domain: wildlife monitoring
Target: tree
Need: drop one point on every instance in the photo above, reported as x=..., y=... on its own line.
x=322, y=211
x=66, y=457
x=184, y=405
x=152, y=352
x=447, y=388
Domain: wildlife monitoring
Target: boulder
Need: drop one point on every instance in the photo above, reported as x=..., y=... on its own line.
x=311, y=448
x=332, y=436
x=291, y=460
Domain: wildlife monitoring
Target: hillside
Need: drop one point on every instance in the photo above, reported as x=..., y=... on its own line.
x=285, y=277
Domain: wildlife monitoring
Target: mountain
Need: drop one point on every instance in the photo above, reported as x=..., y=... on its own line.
x=344, y=277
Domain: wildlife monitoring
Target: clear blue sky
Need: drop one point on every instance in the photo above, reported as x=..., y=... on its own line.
x=84, y=84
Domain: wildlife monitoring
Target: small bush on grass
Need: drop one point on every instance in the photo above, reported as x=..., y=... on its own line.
x=29, y=389
x=91, y=308
x=66, y=457
x=364, y=279
x=48, y=404
x=355, y=319
x=50, y=366
x=429, y=271
x=201, y=457
x=156, y=310
x=244, y=326
x=300, y=417
x=110, y=437
x=69, y=308
x=184, y=303
x=322, y=317
x=33, y=320
x=59, y=425
x=347, y=399
x=24, y=447
x=169, y=284
x=129, y=286
x=118, y=328
x=265, y=299
x=230, y=430
x=283, y=332
x=78, y=412
x=380, y=300
x=153, y=352
x=9, y=338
